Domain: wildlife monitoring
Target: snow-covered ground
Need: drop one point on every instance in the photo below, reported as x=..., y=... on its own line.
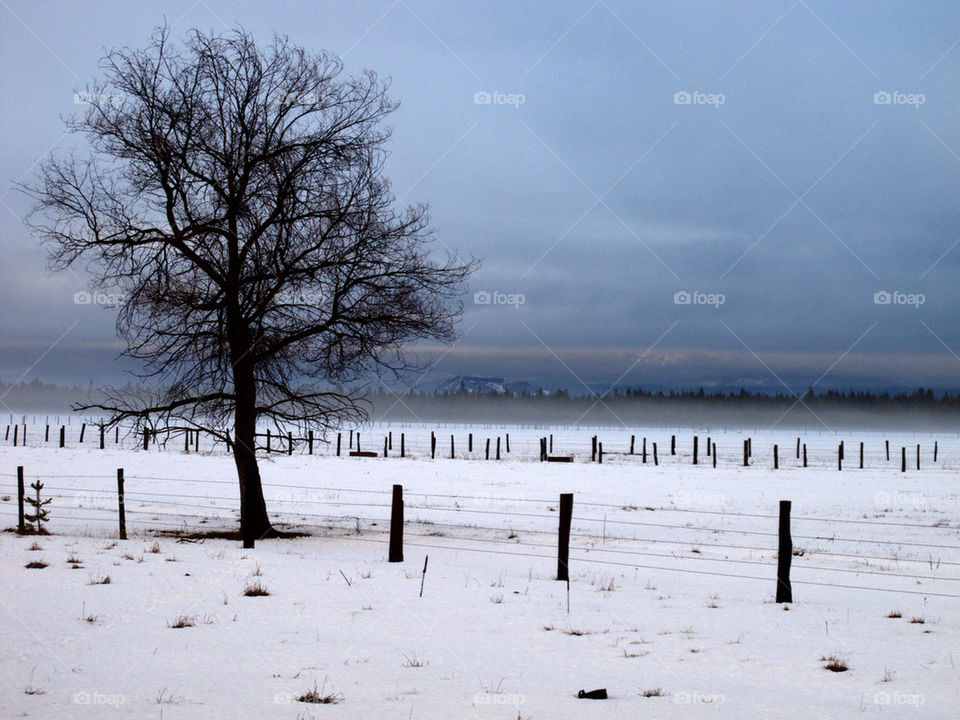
x=672, y=582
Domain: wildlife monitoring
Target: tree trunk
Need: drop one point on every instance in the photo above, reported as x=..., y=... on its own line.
x=254, y=522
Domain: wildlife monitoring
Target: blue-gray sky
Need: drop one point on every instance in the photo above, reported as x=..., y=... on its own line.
x=780, y=162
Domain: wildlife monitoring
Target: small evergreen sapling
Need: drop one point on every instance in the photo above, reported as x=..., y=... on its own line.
x=39, y=514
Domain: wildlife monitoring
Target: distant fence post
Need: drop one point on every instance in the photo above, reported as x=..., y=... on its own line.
x=918, y=456
x=21, y=526
x=673, y=444
x=289, y=443
x=644, y=451
x=888, y=450
x=861, y=456
x=268, y=440
x=903, y=459
x=600, y=452
x=390, y=439
x=563, y=545
x=508, y=442
x=784, y=555
x=339, y=439
x=776, y=458
x=122, y=512
x=840, y=457
x=498, y=447
x=633, y=439
x=396, y=526
x=46, y=438
x=103, y=431
x=385, y=446
x=746, y=453
x=804, y=454
x=470, y=442
x=83, y=429
x=714, y=453
x=934, y=450
x=655, y=460
x=310, y=442
x=433, y=445
x=452, y=453
x=488, y=449
x=798, y=448
x=593, y=449
x=146, y=439
x=403, y=449
x=16, y=430
x=696, y=440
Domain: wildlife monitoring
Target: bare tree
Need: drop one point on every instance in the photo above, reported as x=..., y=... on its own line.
x=235, y=196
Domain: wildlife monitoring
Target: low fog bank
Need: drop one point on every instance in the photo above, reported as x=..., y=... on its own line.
x=754, y=412
x=918, y=411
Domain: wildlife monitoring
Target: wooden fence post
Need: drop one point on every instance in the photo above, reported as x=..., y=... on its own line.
x=16, y=430
x=351, y=438
x=798, y=448
x=593, y=449
x=551, y=442
x=784, y=555
x=46, y=438
x=746, y=453
x=776, y=458
x=918, y=456
x=498, y=447
x=310, y=442
x=861, y=456
x=804, y=454
x=396, y=526
x=403, y=449
x=116, y=435
x=339, y=438
x=289, y=443
x=488, y=449
x=508, y=443
x=888, y=450
x=385, y=446
x=452, y=453
x=358, y=440
x=696, y=439
x=470, y=442
x=146, y=439
x=563, y=545
x=122, y=512
x=673, y=444
x=390, y=439
x=714, y=454
x=632, y=441
x=102, y=433
x=600, y=452
x=840, y=457
x=903, y=459
x=655, y=460
x=21, y=525
x=934, y=450
x=644, y=450
x=433, y=445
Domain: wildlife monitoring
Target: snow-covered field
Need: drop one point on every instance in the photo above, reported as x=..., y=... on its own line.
x=672, y=587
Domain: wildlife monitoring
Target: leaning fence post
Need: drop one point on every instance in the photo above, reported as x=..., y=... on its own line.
x=83, y=429
x=21, y=526
x=563, y=546
x=655, y=461
x=122, y=513
x=396, y=526
x=784, y=555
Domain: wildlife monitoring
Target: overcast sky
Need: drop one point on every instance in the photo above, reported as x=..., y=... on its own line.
x=661, y=193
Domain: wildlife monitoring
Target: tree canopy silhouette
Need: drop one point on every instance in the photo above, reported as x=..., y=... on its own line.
x=235, y=197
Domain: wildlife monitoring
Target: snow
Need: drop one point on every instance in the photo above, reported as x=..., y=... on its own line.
x=656, y=599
